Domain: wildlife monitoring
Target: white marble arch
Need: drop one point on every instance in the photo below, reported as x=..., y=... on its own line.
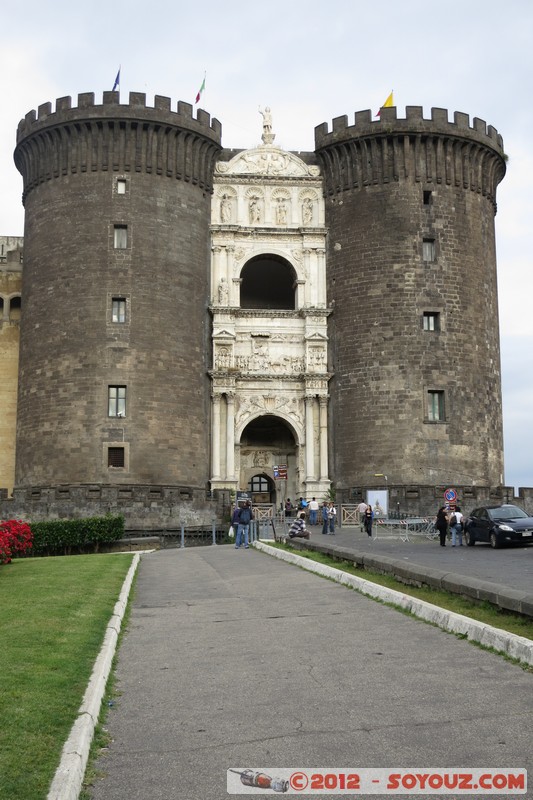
x=264, y=250
x=288, y=419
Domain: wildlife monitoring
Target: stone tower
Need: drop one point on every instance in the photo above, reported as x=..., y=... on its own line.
x=411, y=275
x=114, y=347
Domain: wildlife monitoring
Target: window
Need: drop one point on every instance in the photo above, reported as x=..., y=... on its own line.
x=428, y=249
x=431, y=321
x=121, y=186
x=436, y=406
x=116, y=401
x=120, y=241
x=427, y=198
x=258, y=484
x=118, y=309
x=115, y=457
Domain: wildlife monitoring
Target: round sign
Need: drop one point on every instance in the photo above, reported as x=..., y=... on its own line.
x=450, y=495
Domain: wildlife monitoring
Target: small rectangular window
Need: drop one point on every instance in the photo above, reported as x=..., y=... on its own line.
x=121, y=186
x=120, y=237
x=436, y=406
x=118, y=309
x=427, y=198
x=115, y=457
x=428, y=249
x=431, y=321
x=116, y=401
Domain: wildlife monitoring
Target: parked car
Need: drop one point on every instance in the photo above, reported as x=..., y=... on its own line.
x=499, y=525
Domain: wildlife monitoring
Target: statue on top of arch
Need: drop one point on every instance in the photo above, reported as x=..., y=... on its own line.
x=267, y=137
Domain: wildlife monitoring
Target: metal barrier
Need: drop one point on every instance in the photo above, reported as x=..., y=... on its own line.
x=390, y=529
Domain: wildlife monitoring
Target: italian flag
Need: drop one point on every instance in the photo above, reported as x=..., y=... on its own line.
x=200, y=90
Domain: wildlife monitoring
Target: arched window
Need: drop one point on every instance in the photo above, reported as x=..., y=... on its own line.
x=14, y=309
x=268, y=281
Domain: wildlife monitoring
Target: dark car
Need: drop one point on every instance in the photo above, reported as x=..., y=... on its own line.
x=499, y=525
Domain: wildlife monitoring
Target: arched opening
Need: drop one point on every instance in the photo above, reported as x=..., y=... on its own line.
x=14, y=309
x=268, y=281
x=261, y=489
x=268, y=442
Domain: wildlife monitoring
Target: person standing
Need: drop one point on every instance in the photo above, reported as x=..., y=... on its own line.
x=368, y=518
x=313, y=511
x=456, y=527
x=325, y=517
x=288, y=507
x=332, y=516
x=441, y=524
x=245, y=517
x=362, y=507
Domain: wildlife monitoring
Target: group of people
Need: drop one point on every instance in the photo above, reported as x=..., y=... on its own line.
x=328, y=517
x=452, y=520
x=240, y=522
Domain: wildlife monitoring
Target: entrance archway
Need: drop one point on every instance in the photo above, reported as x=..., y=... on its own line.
x=267, y=442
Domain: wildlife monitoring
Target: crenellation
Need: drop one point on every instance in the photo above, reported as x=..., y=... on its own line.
x=461, y=120
x=439, y=116
x=112, y=98
x=162, y=103
x=63, y=104
x=86, y=100
x=184, y=109
x=44, y=111
x=480, y=125
x=340, y=123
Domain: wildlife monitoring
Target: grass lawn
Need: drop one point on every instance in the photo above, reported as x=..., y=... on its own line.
x=483, y=612
x=54, y=612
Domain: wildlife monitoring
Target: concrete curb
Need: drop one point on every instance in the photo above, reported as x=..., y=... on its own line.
x=508, y=643
x=68, y=778
x=504, y=597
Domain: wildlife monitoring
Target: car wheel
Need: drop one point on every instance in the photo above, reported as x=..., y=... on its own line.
x=469, y=539
x=494, y=543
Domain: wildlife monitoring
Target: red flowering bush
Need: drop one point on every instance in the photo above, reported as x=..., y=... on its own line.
x=15, y=537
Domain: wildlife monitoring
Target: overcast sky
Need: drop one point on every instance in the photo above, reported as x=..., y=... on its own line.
x=310, y=62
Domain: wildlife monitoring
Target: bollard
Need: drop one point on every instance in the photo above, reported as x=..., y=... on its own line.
x=182, y=536
x=214, y=533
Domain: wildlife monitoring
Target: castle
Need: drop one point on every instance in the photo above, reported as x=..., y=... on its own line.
x=198, y=321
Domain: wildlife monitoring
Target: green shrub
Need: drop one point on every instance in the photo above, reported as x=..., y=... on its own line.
x=67, y=535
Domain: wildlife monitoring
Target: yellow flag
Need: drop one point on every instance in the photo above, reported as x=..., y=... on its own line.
x=388, y=102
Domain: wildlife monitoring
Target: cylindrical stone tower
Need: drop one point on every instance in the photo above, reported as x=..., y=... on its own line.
x=410, y=206
x=113, y=384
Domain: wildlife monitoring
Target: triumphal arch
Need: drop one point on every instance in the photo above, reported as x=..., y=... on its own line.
x=269, y=404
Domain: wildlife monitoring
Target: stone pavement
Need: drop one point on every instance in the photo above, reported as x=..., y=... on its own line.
x=235, y=659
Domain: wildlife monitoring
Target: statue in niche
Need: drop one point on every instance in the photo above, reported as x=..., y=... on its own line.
x=307, y=211
x=225, y=208
x=223, y=358
x=281, y=211
x=223, y=292
x=254, y=210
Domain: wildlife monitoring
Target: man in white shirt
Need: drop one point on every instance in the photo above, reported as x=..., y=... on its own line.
x=362, y=507
x=313, y=511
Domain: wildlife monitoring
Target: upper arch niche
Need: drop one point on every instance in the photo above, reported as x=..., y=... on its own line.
x=268, y=281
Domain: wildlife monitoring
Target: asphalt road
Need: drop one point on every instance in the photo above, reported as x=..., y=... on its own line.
x=233, y=659
x=508, y=566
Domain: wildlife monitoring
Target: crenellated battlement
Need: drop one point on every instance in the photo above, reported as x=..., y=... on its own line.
x=413, y=123
x=136, y=109
x=412, y=149
x=133, y=137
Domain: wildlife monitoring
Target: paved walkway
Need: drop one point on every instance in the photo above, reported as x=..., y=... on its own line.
x=235, y=659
